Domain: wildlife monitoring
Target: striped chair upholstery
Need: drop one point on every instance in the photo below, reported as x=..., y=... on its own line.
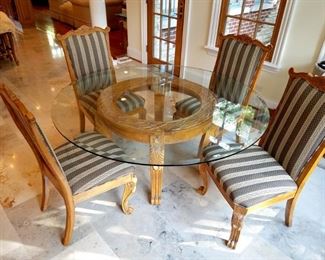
x=235, y=69
x=127, y=103
x=298, y=128
x=233, y=74
x=92, y=66
x=85, y=170
x=76, y=174
x=259, y=173
x=95, y=82
x=90, y=86
x=213, y=151
x=277, y=169
x=188, y=106
x=251, y=176
x=88, y=53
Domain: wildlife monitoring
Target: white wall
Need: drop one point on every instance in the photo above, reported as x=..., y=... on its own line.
x=304, y=40
x=133, y=10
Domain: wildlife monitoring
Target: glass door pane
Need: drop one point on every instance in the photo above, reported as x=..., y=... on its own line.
x=165, y=29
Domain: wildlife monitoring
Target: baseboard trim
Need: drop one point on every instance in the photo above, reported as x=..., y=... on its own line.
x=134, y=53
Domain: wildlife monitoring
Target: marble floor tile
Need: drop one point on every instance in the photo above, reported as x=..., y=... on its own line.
x=9, y=239
x=90, y=247
x=41, y=232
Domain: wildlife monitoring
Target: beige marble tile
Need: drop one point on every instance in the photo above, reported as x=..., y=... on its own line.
x=20, y=178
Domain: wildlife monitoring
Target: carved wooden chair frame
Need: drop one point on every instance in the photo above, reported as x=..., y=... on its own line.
x=212, y=85
x=85, y=30
x=246, y=40
x=50, y=170
x=240, y=212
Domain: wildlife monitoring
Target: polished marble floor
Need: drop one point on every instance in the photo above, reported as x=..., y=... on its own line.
x=184, y=226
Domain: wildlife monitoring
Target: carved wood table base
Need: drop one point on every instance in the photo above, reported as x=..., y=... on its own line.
x=157, y=128
x=157, y=153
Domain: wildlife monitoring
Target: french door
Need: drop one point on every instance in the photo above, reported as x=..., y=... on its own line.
x=165, y=30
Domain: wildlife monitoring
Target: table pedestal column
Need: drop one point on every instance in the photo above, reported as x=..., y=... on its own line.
x=157, y=152
x=159, y=107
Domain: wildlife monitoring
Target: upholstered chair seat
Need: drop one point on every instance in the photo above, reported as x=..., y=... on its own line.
x=251, y=176
x=187, y=106
x=127, y=103
x=85, y=170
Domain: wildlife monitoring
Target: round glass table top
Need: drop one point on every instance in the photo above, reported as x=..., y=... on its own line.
x=160, y=115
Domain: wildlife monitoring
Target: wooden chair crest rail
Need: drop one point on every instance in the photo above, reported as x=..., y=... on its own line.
x=75, y=183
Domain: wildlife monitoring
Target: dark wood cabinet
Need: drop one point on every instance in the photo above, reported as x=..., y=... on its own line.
x=20, y=10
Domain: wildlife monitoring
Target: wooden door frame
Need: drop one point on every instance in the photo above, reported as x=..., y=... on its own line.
x=185, y=37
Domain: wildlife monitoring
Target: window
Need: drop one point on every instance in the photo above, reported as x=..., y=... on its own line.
x=260, y=19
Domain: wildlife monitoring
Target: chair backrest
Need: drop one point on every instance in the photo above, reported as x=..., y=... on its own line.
x=36, y=139
x=87, y=51
x=95, y=81
x=297, y=130
x=240, y=59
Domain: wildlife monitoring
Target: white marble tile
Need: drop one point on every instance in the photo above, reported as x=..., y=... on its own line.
x=90, y=247
x=312, y=194
x=9, y=239
x=262, y=249
x=304, y=240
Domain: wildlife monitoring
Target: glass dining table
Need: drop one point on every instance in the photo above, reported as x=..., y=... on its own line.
x=153, y=135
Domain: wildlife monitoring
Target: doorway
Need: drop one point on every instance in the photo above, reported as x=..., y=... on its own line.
x=165, y=31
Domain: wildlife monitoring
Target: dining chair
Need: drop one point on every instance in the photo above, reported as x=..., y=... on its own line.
x=239, y=61
x=76, y=173
x=87, y=53
x=279, y=166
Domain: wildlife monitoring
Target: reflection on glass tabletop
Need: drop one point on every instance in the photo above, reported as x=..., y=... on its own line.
x=136, y=107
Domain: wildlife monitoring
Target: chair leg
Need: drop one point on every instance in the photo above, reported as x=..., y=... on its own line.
x=142, y=113
x=204, y=176
x=45, y=193
x=290, y=207
x=70, y=218
x=176, y=116
x=179, y=114
x=203, y=143
x=82, y=121
x=129, y=190
x=236, y=225
x=13, y=48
